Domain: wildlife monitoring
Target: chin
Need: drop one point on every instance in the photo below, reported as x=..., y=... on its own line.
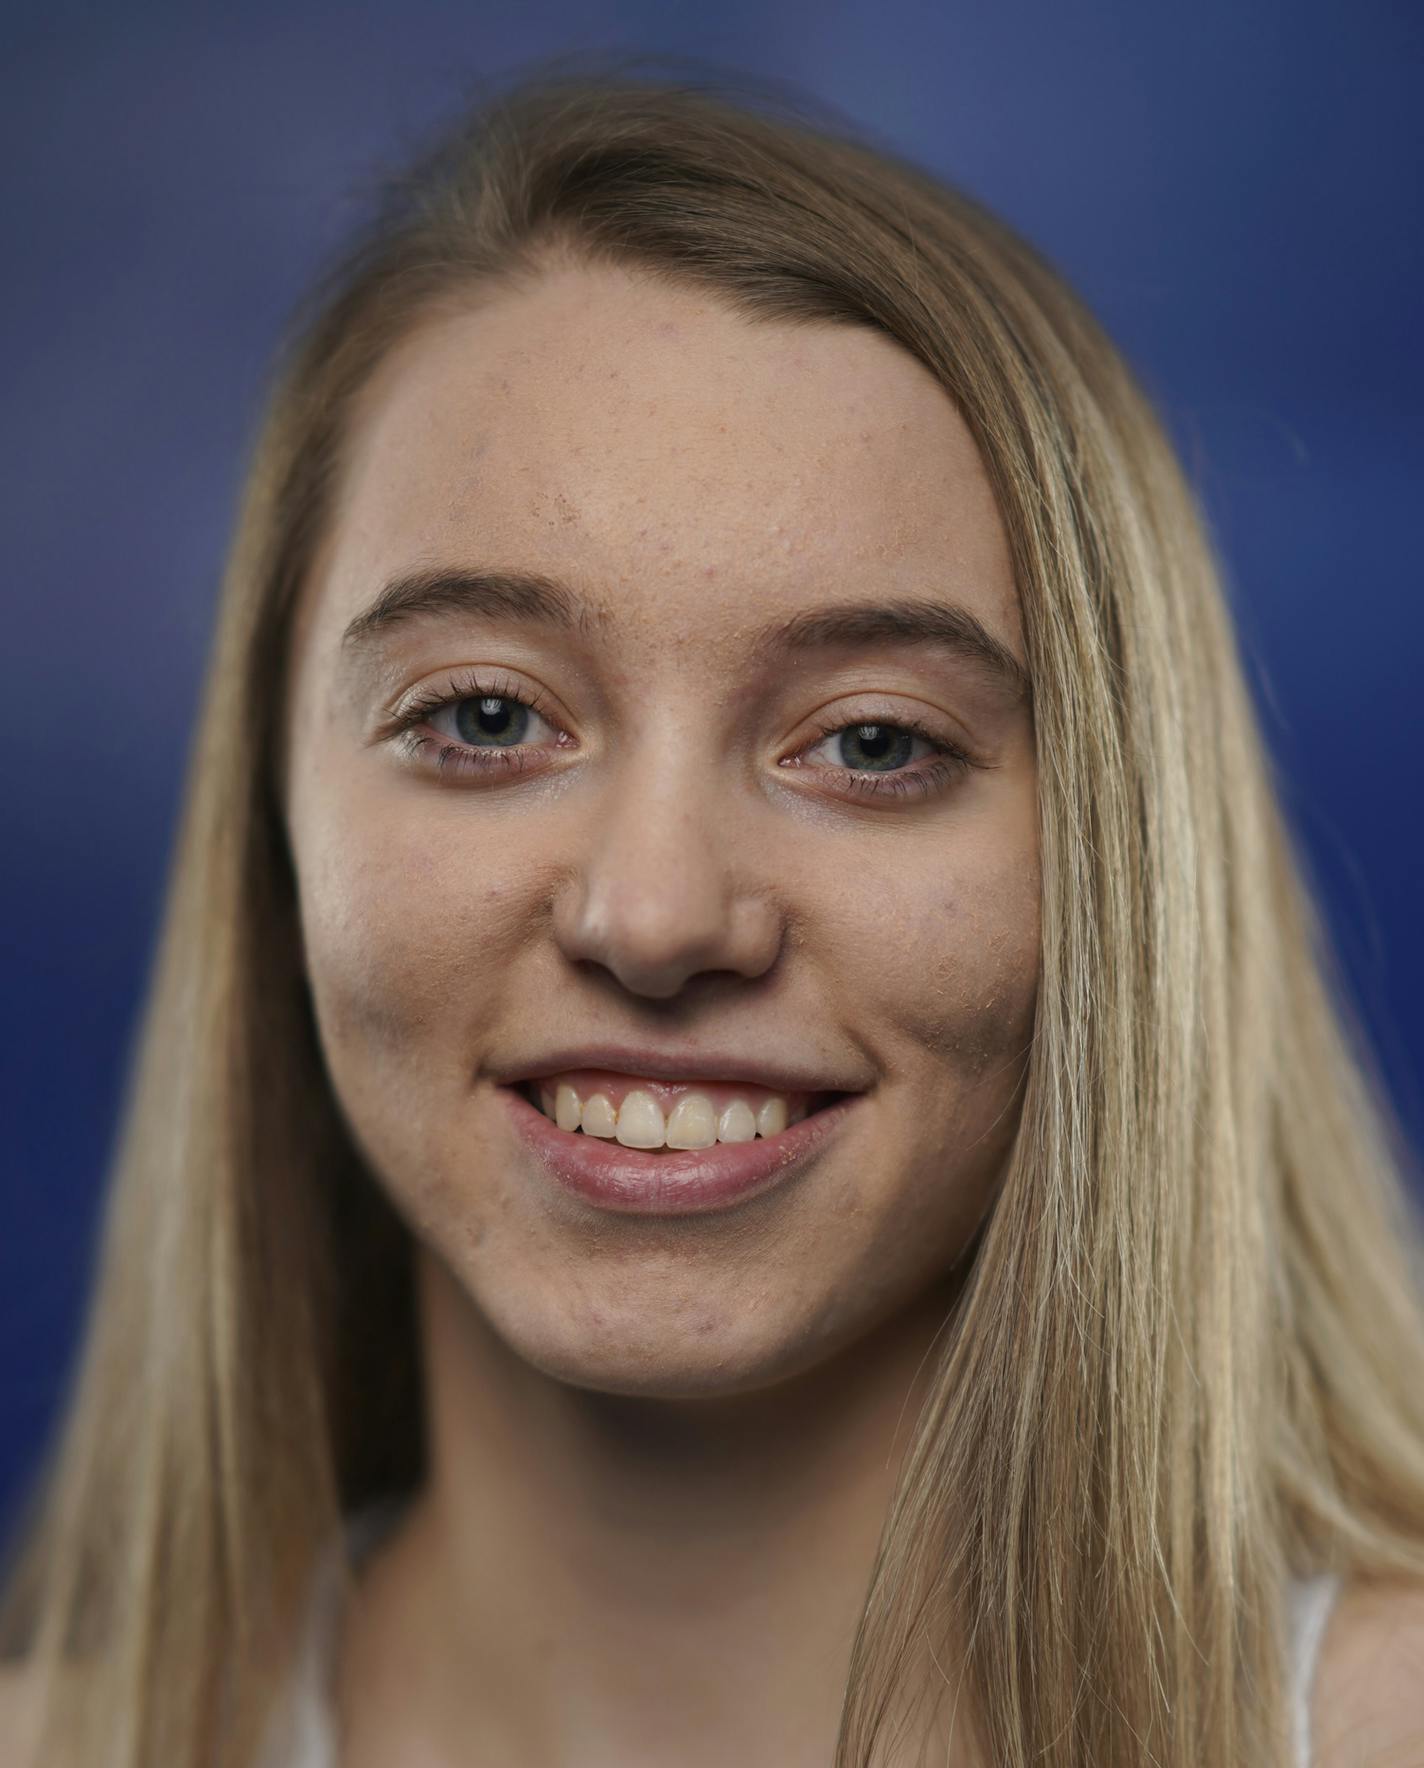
x=696, y=1351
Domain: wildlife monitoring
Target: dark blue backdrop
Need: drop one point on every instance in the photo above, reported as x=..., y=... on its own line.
x=1233, y=185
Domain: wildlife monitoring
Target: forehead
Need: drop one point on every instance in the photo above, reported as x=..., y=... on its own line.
x=668, y=455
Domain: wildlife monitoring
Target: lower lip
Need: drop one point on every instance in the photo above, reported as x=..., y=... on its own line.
x=684, y=1181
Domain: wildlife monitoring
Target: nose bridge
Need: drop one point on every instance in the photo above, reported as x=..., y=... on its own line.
x=661, y=886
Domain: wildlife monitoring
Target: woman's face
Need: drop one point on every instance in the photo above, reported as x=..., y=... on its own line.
x=681, y=859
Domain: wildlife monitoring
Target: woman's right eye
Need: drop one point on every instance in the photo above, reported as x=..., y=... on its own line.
x=497, y=720
x=489, y=724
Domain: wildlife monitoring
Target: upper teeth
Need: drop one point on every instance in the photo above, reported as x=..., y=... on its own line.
x=693, y=1122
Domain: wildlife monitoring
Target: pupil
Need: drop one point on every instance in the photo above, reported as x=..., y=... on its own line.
x=492, y=720
x=881, y=746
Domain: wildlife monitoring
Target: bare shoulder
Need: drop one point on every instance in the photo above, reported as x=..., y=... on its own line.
x=1367, y=1703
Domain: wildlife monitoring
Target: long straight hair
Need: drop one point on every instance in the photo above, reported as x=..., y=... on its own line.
x=1187, y=1362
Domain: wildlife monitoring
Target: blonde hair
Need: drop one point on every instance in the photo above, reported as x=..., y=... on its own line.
x=1188, y=1360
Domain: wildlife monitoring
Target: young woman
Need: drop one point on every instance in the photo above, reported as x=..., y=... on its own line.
x=745, y=1146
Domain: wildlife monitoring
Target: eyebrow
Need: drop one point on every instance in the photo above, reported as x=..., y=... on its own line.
x=446, y=592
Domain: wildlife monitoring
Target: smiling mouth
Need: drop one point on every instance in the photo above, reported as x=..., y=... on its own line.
x=623, y=1178
x=807, y=1106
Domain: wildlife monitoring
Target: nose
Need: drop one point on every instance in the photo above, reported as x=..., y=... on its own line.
x=663, y=887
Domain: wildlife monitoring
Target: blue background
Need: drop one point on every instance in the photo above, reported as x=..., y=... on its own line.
x=1233, y=185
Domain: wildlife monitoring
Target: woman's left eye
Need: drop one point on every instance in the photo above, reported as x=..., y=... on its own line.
x=491, y=724
x=883, y=748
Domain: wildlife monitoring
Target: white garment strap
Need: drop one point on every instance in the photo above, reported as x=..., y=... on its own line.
x=300, y=1733
x=1311, y=1600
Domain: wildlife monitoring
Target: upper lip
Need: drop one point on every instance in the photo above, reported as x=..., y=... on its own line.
x=674, y=1065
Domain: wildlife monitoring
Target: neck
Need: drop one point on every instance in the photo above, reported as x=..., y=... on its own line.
x=591, y=1578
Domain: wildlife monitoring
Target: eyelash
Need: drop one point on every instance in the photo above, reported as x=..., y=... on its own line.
x=952, y=764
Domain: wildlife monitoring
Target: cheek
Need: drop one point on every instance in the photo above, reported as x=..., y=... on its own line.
x=954, y=961
x=980, y=976
x=406, y=932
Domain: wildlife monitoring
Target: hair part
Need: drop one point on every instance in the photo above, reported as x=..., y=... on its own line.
x=1186, y=1362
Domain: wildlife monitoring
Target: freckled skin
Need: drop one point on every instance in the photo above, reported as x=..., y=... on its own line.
x=660, y=1449
x=673, y=881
